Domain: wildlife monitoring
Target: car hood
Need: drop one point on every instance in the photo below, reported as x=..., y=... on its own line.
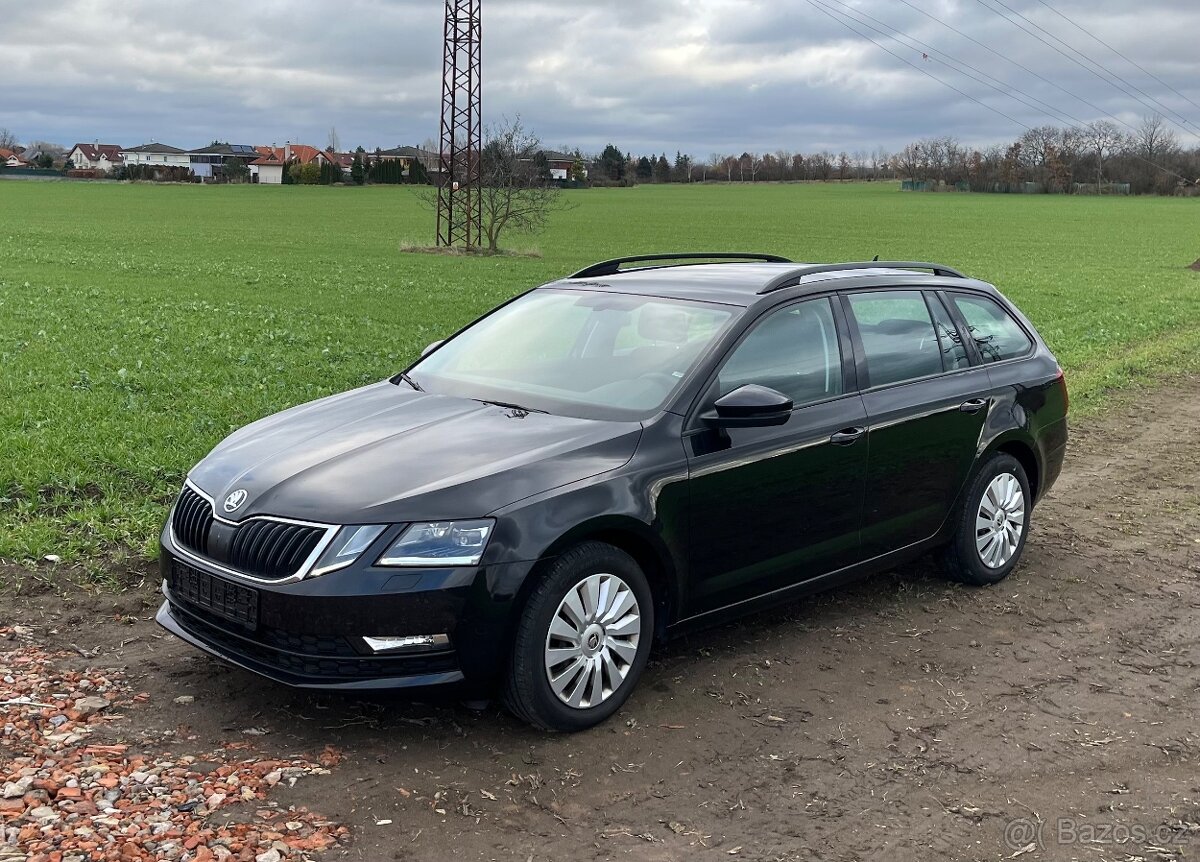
x=388, y=454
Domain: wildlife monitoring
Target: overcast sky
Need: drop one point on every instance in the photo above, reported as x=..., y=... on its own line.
x=704, y=76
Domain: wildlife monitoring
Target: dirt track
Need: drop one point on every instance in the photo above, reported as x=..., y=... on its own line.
x=903, y=718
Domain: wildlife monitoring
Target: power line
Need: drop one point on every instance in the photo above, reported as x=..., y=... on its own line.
x=1081, y=29
x=925, y=72
x=1107, y=71
x=1091, y=71
x=1014, y=63
x=820, y=7
x=1003, y=88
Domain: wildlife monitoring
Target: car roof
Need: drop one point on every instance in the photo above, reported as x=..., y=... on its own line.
x=739, y=283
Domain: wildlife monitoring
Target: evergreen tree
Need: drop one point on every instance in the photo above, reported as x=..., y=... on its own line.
x=645, y=170
x=417, y=175
x=662, y=170
x=612, y=163
x=358, y=171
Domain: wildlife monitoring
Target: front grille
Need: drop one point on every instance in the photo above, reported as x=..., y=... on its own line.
x=262, y=548
x=272, y=549
x=315, y=663
x=192, y=521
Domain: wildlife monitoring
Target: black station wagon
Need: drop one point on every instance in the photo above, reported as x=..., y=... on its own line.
x=651, y=444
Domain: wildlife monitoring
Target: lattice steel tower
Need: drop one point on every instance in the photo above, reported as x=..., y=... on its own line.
x=460, y=211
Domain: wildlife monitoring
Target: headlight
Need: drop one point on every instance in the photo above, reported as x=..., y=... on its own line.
x=440, y=543
x=346, y=547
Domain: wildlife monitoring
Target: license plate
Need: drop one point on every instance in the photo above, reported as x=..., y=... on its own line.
x=224, y=598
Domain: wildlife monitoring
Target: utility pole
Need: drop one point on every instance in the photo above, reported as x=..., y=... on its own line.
x=460, y=205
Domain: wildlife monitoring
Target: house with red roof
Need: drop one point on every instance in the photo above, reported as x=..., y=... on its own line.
x=12, y=159
x=267, y=169
x=96, y=157
x=300, y=153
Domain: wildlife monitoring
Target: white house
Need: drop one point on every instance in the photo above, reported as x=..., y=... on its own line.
x=95, y=157
x=268, y=170
x=159, y=155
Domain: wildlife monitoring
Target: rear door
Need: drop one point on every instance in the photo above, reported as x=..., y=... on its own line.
x=771, y=507
x=926, y=406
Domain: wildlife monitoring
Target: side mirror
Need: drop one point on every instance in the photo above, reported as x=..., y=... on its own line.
x=750, y=406
x=429, y=348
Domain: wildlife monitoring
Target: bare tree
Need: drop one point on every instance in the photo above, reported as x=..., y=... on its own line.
x=1155, y=143
x=1104, y=138
x=729, y=163
x=8, y=140
x=784, y=160
x=910, y=161
x=333, y=145
x=515, y=196
x=38, y=148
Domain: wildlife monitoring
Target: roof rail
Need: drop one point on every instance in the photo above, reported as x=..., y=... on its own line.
x=612, y=267
x=796, y=275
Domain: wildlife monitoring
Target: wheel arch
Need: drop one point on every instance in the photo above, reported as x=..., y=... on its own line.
x=634, y=538
x=1026, y=454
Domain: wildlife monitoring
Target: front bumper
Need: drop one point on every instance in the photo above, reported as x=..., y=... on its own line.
x=309, y=634
x=307, y=669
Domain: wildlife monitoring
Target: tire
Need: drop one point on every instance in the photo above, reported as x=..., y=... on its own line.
x=588, y=650
x=980, y=554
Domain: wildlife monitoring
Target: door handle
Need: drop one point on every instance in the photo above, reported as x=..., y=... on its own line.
x=846, y=436
x=973, y=406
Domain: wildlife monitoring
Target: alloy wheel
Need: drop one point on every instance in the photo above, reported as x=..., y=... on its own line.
x=592, y=641
x=1000, y=520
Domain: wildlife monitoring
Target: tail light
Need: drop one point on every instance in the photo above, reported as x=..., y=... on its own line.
x=1061, y=380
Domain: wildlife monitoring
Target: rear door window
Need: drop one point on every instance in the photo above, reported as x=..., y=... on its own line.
x=898, y=338
x=996, y=334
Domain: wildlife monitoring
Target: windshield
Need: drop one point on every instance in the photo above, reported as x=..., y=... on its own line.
x=584, y=353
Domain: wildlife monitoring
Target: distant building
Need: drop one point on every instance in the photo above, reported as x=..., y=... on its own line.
x=301, y=153
x=209, y=162
x=407, y=155
x=159, y=155
x=12, y=159
x=561, y=164
x=267, y=170
x=95, y=157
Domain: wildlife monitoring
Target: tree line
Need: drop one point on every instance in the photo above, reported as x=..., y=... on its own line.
x=1150, y=159
x=612, y=167
x=1089, y=159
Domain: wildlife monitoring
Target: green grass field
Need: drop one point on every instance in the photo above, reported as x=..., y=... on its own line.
x=140, y=324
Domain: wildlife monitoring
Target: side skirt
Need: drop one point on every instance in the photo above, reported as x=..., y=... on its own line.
x=821, y=583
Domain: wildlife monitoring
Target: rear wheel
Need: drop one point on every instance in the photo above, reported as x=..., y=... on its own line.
x=992, y=524
x=583, y=639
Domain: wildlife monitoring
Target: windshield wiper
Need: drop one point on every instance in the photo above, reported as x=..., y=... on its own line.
x=407, y=378
x=511, y=406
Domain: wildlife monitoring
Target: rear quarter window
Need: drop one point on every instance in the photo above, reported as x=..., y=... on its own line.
x=993, y=329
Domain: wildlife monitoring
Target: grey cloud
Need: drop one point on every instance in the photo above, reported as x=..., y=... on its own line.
x=657, y=75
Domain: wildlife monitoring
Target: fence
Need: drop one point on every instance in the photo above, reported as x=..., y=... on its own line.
x=1103, y=189
x=41, y=173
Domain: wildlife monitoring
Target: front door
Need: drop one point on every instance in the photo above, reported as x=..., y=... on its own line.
x=771, y=507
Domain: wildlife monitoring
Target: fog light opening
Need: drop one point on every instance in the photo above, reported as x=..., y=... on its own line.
x=407, y=643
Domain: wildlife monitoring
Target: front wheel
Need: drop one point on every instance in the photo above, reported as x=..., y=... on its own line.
x=992, y=525
x=582, y=641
